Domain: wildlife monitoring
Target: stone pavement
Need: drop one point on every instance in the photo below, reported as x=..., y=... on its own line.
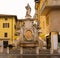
x=15, y=53
x=28, y=56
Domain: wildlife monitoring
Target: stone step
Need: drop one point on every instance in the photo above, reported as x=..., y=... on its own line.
x=33, y=51
x=44, y=51
x=14, y=51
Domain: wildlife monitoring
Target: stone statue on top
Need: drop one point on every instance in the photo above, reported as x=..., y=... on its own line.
x=28, y=11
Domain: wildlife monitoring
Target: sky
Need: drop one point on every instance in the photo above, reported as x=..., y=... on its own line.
x=16, y=7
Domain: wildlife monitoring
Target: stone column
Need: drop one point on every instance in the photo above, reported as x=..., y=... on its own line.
x=54, y=41
x=51, y=51
x=59, y=50
x=7, y=50
x=21, y=50
x=1, y=49
x=37, y=50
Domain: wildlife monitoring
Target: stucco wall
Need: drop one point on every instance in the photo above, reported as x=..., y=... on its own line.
x=54, y=20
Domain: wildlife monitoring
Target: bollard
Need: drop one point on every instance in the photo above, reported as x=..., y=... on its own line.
x=1, y=49
x=37, y=50
x=7, y=50
x=51, y=51
x=21, y=50
x=59, y=50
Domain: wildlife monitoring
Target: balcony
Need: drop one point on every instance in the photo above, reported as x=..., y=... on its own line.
x=48, y=5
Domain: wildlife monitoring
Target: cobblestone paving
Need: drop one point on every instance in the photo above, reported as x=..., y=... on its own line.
x=15, y=53
x=29, y=56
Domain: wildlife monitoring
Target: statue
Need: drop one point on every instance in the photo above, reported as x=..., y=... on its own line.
x=28, y=8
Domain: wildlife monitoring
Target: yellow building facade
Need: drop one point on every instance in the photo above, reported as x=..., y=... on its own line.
x=49, y=16
x=42, y=18
x=7, y=28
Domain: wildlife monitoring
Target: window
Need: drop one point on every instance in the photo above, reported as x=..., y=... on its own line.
x=5, y=34
x=47, y=21
x=5, y=18
x=14, y=26
x=5, y=25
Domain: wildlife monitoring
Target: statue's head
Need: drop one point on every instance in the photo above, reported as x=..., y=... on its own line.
x=28, y=6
